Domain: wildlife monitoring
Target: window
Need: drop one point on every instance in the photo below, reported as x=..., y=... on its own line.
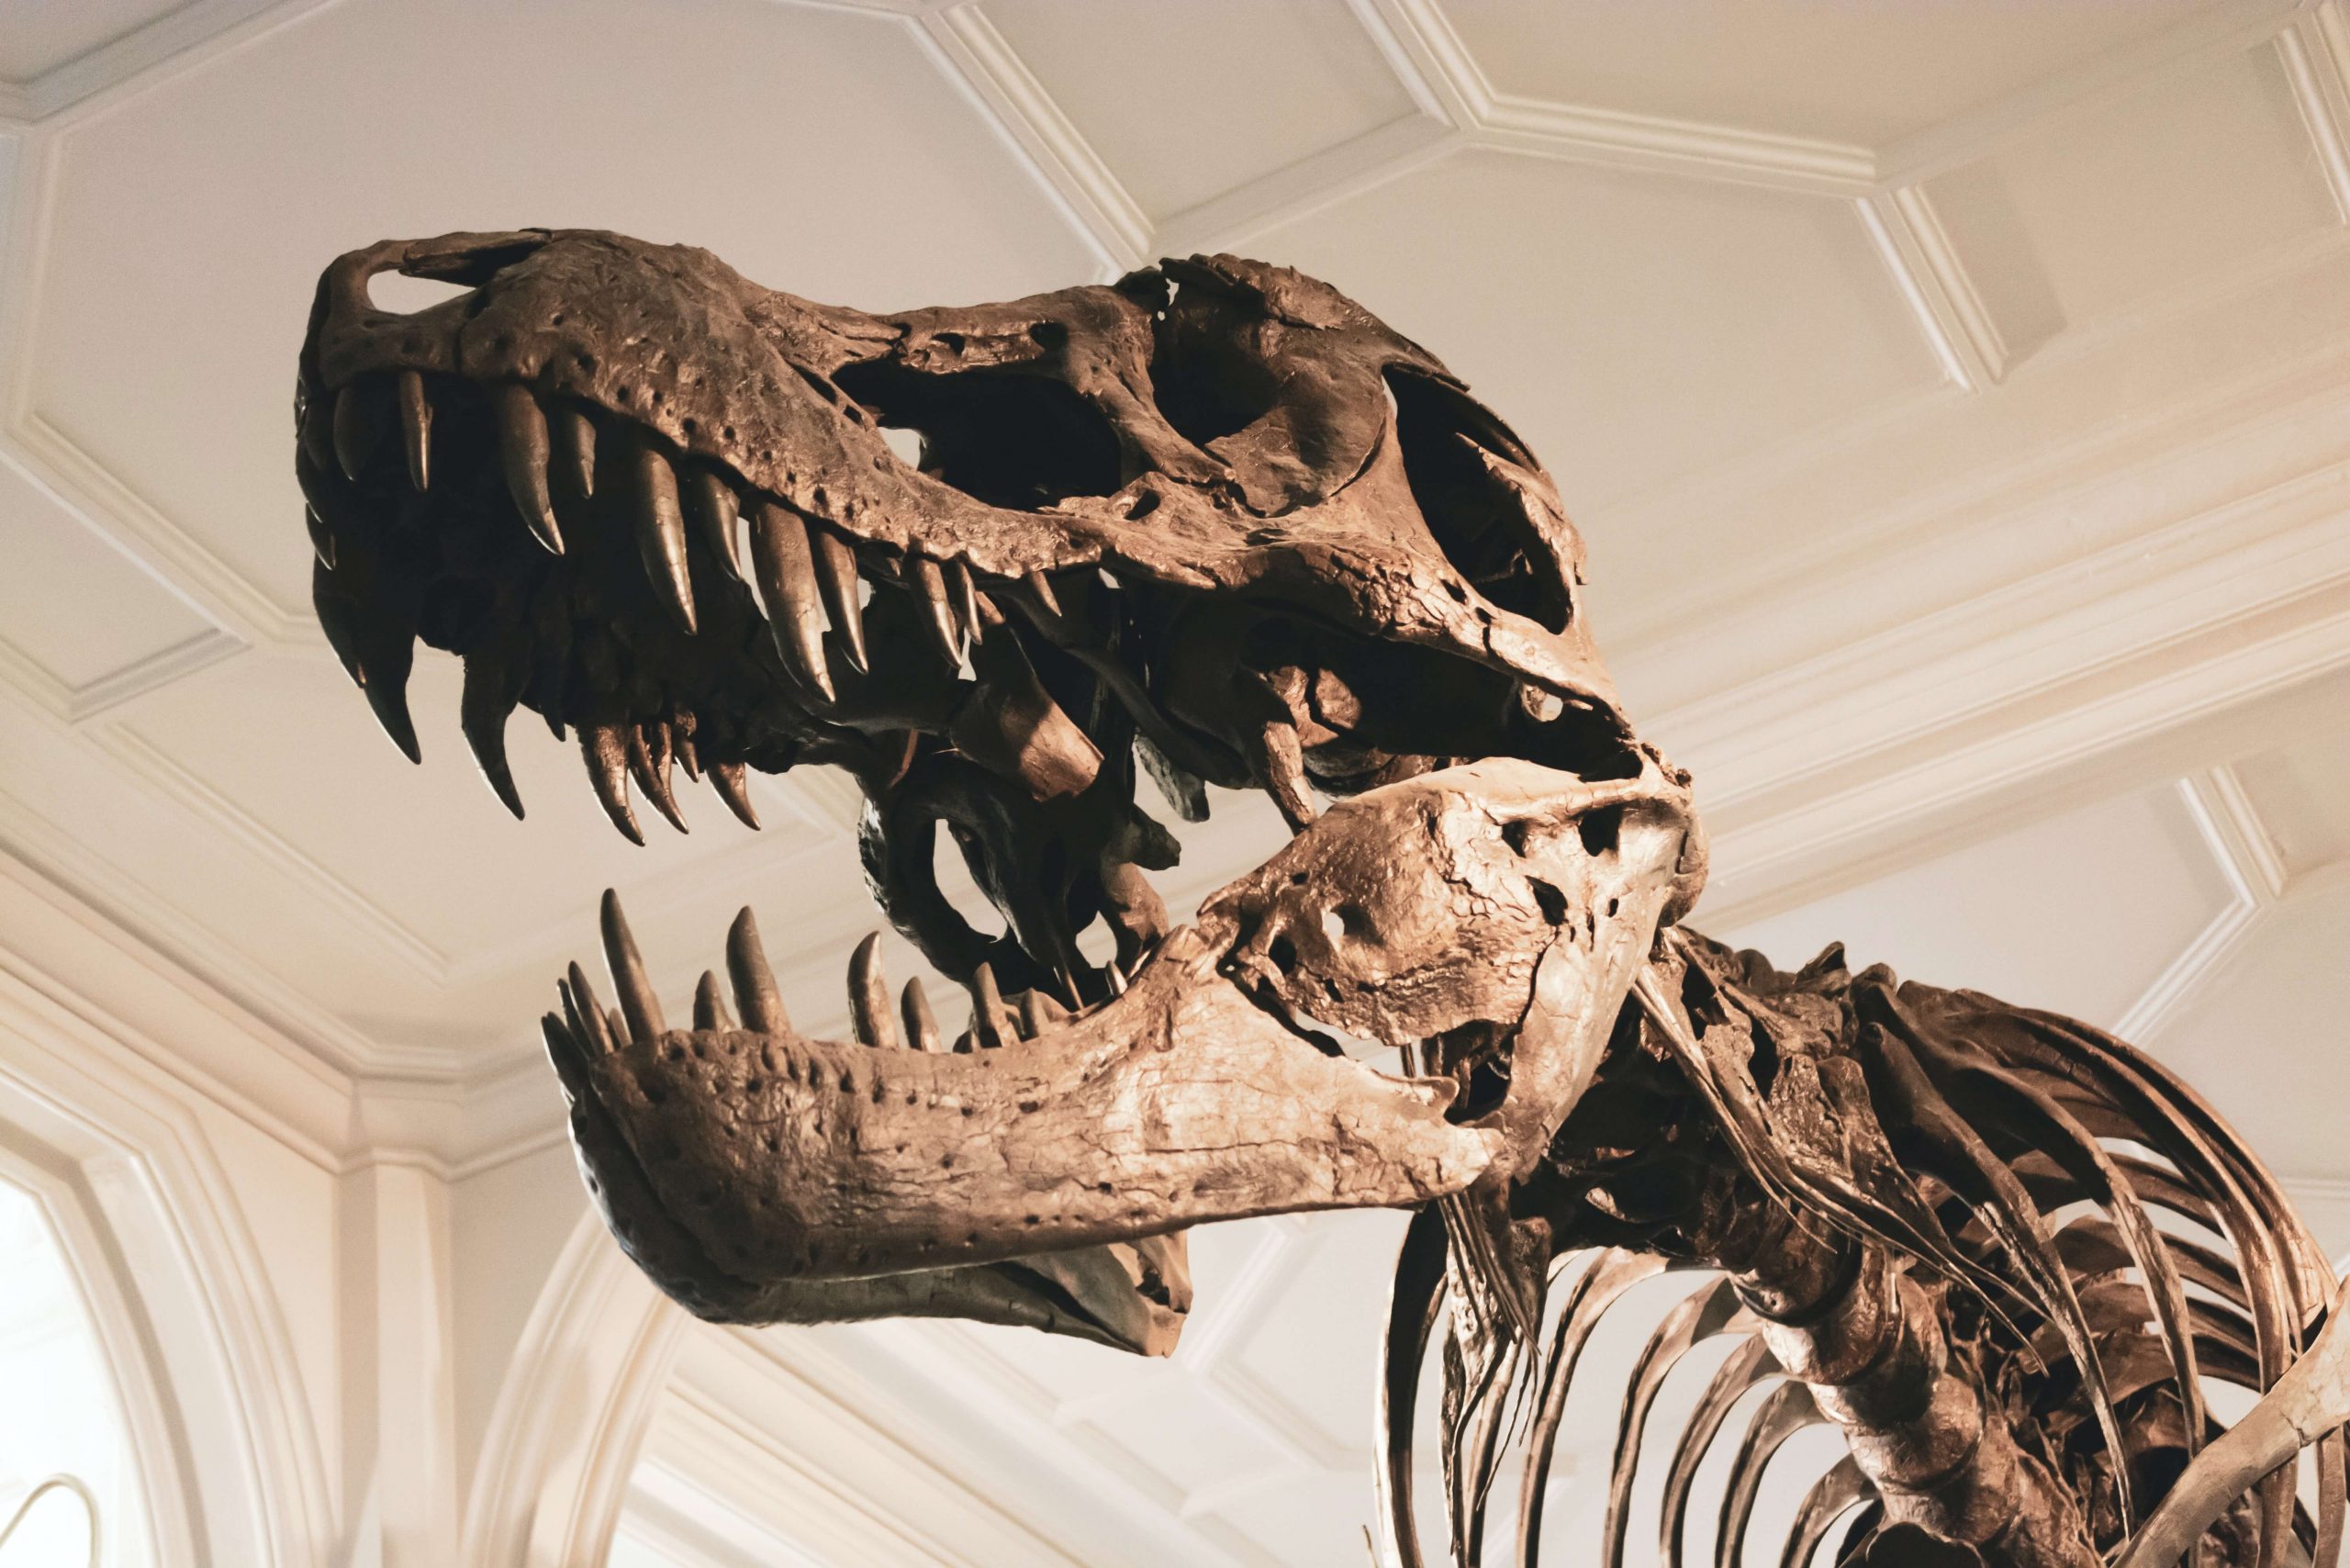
x=65, y=1417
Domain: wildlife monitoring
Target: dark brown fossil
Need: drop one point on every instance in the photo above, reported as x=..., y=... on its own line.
x=1217, y=524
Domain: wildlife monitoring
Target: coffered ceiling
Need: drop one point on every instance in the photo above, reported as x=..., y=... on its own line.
x=1956, y=400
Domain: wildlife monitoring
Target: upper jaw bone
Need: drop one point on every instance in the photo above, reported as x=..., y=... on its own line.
x=1181, y=1102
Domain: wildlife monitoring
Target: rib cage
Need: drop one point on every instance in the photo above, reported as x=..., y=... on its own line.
x=1891, y=1156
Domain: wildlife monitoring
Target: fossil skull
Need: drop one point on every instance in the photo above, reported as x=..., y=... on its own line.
x=1215, y=522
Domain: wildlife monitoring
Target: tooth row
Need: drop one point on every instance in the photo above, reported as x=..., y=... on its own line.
x=804, y=573
x=638, y=1019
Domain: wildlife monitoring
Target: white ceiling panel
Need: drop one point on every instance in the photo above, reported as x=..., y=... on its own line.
x=1712, y=318
x=2078, y=913
x=2198, y=174
x=71, y=602
x=1830, y=69
x=2301, y=792
x=1289, y=78
x=2266, y=1041
x=816, y=151
x=40, y=35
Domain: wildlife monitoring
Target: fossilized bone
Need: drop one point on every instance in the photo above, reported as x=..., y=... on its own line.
x=1217, y=523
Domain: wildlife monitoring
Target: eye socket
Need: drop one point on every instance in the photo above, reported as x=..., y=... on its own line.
x=1476, y=517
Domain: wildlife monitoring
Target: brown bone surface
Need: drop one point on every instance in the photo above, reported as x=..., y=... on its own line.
x=1217, y=524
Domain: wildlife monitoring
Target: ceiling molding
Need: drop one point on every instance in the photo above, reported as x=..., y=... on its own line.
x=973, y=52
x=1934, y=282
x=2315, y=50
x=848, y=1486
x=171, y=42
x=2234, y=28
x=1324, y=179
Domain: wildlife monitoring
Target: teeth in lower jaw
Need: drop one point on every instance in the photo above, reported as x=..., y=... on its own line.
x=522, y=451
x=755, y=987
x=661, y=532
x=415, y=427
x=992, y=1021
x=869, y=997
x=606, y=754
x=1039, y=1012
x=921, y=1024
x=714, y=506
x=638, y=1005
x=783, y=567
x=648, y=762
x=709, y=1007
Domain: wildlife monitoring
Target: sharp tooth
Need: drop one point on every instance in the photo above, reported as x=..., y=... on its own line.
x=869, y=997
x=606, y=754
x=1042, y=586
x=574, y=437
x=523, y=448
x=638, y=1005
x=1278, y=760
x=661, y=532
x=415, y=427
x=922, y=1024
x=321, y=536
x=836, y=577
x=710, y=1008
x=992, y=1021
x=681, y=739
x=785, y=570
x=755, y=987
x=713, y=504
x=1116, y=977
x=589, y=1022
x=967, y=601
x=354, y=432
x=726, y=777
x=387, y=688
x=648, y=762
x=938, y=616
x=1039, y=1011
x=492, y=684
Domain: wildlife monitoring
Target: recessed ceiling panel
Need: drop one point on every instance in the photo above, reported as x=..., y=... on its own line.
x=429, y=857
x=40, y=35
x=1184, y=102
x=2078, y=914
x=2197, y=175
x=816, y=151
x=2301, y=793
x=70, y=602
x=1635, y=329
x=2265, y=1041
x=1831, y=69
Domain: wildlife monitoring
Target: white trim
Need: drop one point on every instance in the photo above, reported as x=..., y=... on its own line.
x=1040, y=132
x=1926, y=267
x=2313, y=50
x=174, y=42
x=189, y=1278
x=1358, y=164
x=573, y=1412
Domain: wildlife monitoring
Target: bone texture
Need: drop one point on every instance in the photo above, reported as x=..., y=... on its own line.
x=1217, y=524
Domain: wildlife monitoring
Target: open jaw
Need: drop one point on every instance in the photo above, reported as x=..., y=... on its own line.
x=1214, y=523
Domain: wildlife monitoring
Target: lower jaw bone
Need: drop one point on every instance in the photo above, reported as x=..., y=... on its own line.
x=1182, y=1102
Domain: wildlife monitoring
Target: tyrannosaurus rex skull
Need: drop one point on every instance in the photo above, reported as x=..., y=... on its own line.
x=1215, y=521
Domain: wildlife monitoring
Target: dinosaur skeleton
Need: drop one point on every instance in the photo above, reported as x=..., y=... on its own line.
x=1217, y=524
